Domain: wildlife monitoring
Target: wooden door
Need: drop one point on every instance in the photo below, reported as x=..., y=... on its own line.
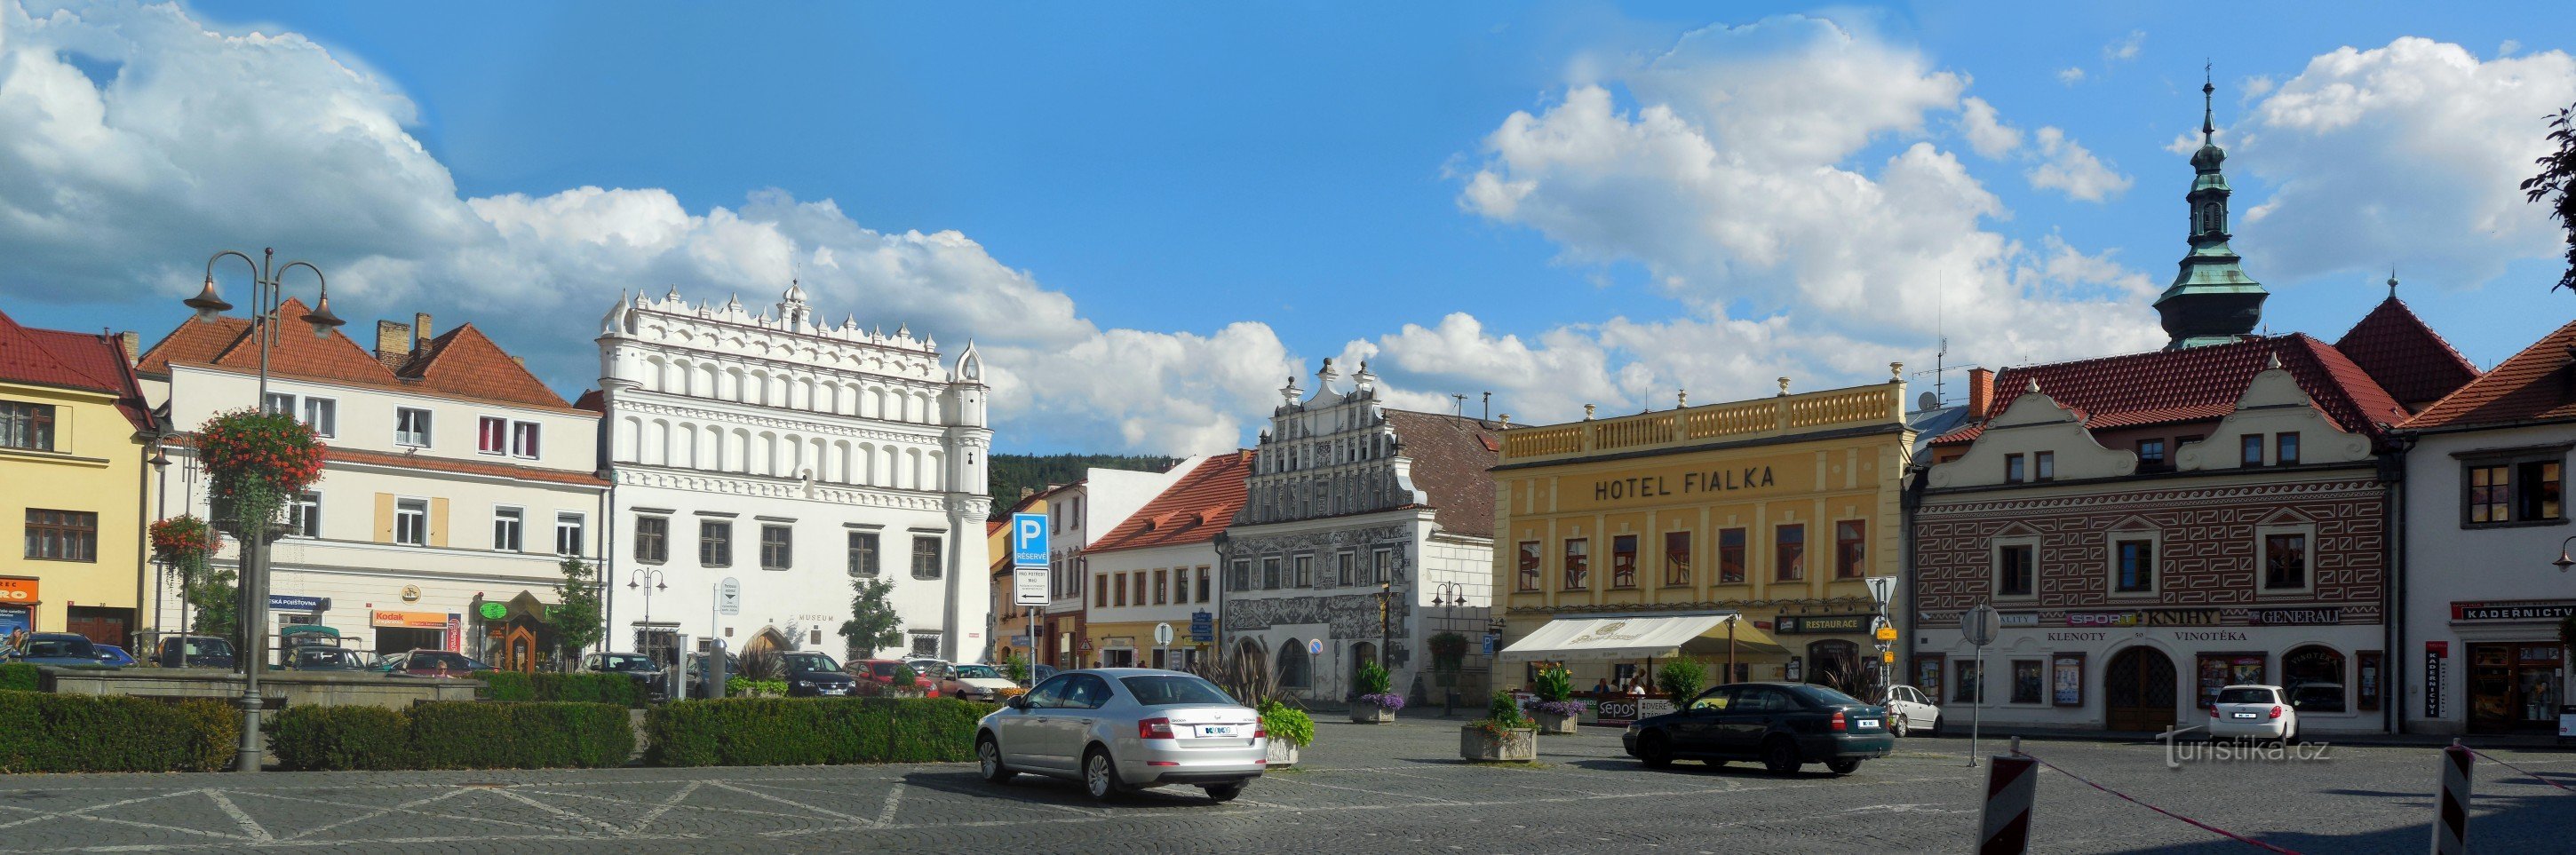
x=519, y=650
x=2138, y=691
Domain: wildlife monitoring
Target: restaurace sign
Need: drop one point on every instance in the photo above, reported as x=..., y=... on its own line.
x=1649, y=486
x=1606, y=632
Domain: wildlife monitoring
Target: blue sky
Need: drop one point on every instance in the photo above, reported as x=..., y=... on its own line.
x=1158, y=210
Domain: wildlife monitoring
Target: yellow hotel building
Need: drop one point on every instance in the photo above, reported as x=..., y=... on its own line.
x=1626, y=541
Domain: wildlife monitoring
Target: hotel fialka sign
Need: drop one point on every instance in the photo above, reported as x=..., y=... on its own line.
x=1656, y=486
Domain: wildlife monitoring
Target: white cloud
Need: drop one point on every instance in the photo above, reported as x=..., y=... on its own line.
x=194, y=139
x=2067, y=167
x=1987, y=134
x=2407, y=153
x=2125, y=48
x=2508, y=48
x=2070, y=75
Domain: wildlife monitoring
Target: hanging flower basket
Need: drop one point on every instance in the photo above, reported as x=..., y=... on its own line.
x=257, y=461
x=184, y=543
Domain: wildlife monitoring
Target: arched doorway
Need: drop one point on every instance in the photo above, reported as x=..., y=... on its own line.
x=1361, y=653
x=1294, y=670
x=2138, y=691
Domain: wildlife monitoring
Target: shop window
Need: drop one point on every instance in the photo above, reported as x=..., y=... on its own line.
x=1969, y=686
x=863, y=553
x=1730, y=556
x=2252, y=447
x=1927, y=676
x=2513, y=490
x=777, y=547
x=2044, y=466
x=652, y=539
x=2151, y=455
x=27, y=426
x=1851, y=549
x=2220, y=670
x=926, y=557
x=2314, y=676
x=2028, y=683
x=2012, y=469
x=2066, y=680
x=1529, y=566
x=2016, y=570
x=2285, y=449
x=1677, y=558
x=411, y=522
x=2285, y=561
x=62, y=535
x=2134, y=566
x=715, y=543
x=1623, y=561
x=1578, y=563
x=1789, y=552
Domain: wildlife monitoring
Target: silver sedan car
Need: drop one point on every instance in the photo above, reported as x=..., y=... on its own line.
x=1118, y=730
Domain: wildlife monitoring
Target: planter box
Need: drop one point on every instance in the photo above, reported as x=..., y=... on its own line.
x=1366, y=713
x=1282, y=753
x=1518, y=745
x=1552, y=724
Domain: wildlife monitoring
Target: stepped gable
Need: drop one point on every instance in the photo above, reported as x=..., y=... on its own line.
x=72, y=360
x=2537, y=384
x=1195, y=509
x=1451, y=456
x=466, y=363
x=2198, y=383
x=2405, y=355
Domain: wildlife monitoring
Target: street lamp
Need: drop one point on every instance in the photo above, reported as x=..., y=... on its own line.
x=266, y=293
x=1448, y=596
x=2564, y=560
x=160, y=462
x=648, y=580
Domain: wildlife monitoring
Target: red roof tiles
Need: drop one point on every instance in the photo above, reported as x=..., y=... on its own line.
x=2412, y=362
x=2200, y=383
x=464, y=363
x=1193, y=510
x=92, y=362
x=1451, y=456
x=2537, y=384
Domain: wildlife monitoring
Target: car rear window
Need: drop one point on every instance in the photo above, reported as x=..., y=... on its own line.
x=1161, y=690
x=68, y=647
x=2245, y=696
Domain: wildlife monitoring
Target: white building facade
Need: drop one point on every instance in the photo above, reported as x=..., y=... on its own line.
x=793, y=457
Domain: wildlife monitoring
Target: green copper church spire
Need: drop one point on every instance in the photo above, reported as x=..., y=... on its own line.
x=2211, y=300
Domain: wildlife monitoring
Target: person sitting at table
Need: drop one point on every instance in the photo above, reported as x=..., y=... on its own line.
x=1601, y=687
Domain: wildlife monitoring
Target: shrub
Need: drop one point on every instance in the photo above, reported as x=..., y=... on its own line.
x=1288, y=724
x=1680, y=679
x=808, y=731
x=748, y=687
x=1373, y=679
x=579, y=687
x=456, y=735
x=905, y=677
x=105, y=733
x=1502, y=714
x=21, y=676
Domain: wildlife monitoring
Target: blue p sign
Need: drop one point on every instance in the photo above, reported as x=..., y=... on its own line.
x=1028, y=540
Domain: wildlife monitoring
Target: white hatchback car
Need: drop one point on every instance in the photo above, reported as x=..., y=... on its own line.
x=1910, y=712
x=1118, y=730
x=2252, y=711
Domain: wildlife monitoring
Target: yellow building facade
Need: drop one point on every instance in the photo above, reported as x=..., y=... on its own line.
x=74, y=438
x=1766, y=517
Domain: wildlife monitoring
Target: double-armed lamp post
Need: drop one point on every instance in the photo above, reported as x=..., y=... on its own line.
x=266, y=295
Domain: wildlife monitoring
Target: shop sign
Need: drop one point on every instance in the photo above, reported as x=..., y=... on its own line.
x=1652, y=707
x=410, y=620
x=2182, y=617
x=1618, y=710
x=2019, y=618
x=493, y=611
x=2435, y=653
x=1820, y=623
x=2078, y=636
x=2211, y=635
x=455, y=632
x=2526, y=610
x=1692, y=482
x=16, y=621
x=2295, y=617
x=298, y=603
x=2102, y=619
x=18, y=590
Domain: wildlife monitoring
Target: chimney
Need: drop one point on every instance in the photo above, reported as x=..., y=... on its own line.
x=133, y=342
x=393, y=343
x=420, y=333
x=1981, y=392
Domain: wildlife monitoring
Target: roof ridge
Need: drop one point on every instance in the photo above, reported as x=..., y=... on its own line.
x=2506, y=371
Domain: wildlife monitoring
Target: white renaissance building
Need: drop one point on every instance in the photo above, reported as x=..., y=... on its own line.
x=793, y=457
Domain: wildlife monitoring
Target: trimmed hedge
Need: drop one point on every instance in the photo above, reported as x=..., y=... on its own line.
x=455, y=735
x=42, y=732
x=20, y=676
x=809, y=731
x=579, y=687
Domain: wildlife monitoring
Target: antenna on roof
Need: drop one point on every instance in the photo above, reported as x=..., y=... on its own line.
x=1489, y=406
x=1462, y=404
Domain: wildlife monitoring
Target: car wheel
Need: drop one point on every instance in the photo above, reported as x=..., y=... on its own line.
x=1781, y=757
x=1654, y=750
x=1100, y=775
x=1224, y=792
x=1896, y=725
x=989, y=754
x=1843, y=766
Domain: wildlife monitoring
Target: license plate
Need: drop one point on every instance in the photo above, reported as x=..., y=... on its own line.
x=1869, y=722
x=836, y=691
x=2245, y=715
x=1216, y=730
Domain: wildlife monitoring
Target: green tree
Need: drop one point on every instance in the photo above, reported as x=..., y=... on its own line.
x=873, y=624
x=2556, y=186
x=212, y=595
x=577, y=616
x=1681, y=679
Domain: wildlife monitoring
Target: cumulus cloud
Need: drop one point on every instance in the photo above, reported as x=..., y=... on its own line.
x=2405, y=153
x=2067, y=167
x=2070, y=75
x=134, y=137
x=1986, y=133
x=2125, y=48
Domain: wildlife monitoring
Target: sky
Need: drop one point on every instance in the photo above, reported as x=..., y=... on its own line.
x=1148, y=215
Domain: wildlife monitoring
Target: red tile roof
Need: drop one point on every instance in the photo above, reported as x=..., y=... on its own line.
x=1451, y=456
x=2537, y=384
x=92, y=362
x=464, y=363
x=592, y=400
x=193, y=342
x=1193, y=510
x=2407, y=357
x=2198, y=384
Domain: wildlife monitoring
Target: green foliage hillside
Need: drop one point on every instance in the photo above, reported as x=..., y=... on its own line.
x=1010, y=472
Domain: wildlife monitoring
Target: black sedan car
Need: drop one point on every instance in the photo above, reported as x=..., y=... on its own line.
x=1783, y=725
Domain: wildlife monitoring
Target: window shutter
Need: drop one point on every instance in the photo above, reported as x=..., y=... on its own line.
x=384, y=517
x=438, y=522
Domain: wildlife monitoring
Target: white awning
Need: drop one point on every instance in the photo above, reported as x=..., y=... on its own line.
x=1621, y=638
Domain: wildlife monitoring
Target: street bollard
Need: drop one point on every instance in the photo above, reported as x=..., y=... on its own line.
x=2451, y=823
x=2011, y=782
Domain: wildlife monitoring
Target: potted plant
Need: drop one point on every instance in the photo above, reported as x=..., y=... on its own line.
x=1503, y=735
x=1555, y=708
x=1290, y=729
x=1378, y=701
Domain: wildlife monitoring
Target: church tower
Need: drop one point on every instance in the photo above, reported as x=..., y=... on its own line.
x=2211, y=300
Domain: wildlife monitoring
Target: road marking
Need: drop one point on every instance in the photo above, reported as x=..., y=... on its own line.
x=785, y=801
x=398, y=808
x=663, y=808
x=523, y=798
x=249, y=825
x=894, y=796
x=372, y=813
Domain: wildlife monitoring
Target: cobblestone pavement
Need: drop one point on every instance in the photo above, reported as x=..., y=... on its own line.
x=1374, y=790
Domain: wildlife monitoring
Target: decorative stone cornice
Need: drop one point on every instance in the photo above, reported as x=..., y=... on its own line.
x=824, y=424
x=735, y=485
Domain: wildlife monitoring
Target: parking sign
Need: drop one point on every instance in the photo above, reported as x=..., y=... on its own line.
x=1028, y=540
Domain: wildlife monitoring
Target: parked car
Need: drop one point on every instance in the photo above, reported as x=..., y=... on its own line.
x=200, y=651
x=974, y=683
x=58, y=649
x=321, y=658
x=698, y=672
x=2253, y=711
x=429, y=663
x=815, y=675
x=1118, y=730
x=1783, y=725
x=1910, y=711
x=114, y=657
x=881, y=673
